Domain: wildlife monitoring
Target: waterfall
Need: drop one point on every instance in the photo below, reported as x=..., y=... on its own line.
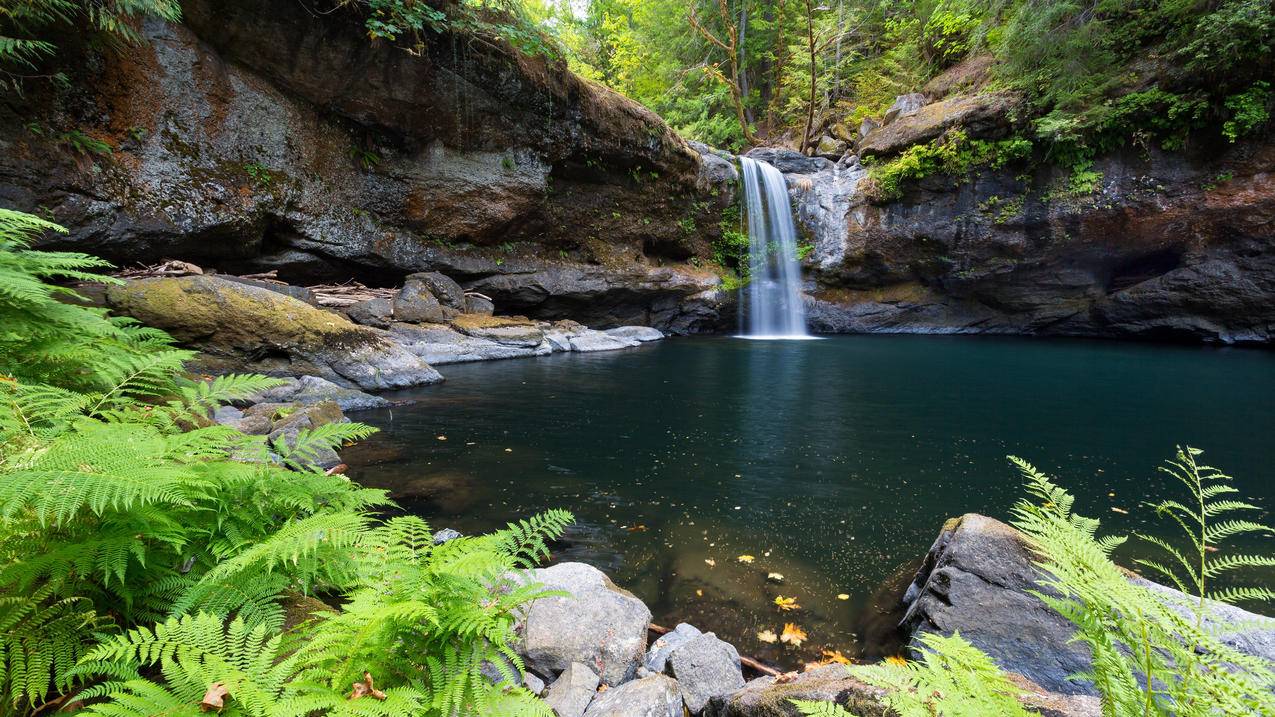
x=771, y=301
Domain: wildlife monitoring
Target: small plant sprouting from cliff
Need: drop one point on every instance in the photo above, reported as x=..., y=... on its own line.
x=1250, y=110
x=84, y=145
x=259, y=173
x=367, y=159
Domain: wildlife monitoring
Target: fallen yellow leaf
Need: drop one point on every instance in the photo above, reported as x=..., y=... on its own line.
x=745, y=558
x=699, y=593
x=842, y=596
x=896, y=661
x=710, y=562
x=793, y=635
x=834, y=656
x=786, y=603
x=767, y=636
x=775, y=577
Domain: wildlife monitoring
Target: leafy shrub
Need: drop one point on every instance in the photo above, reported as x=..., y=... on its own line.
x=953, y=154
x=1251, y=109
x=947, y=34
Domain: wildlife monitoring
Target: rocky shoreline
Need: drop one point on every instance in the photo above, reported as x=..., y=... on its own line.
x=589, y=655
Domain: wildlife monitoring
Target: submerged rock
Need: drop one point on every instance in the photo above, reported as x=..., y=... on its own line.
x=600, y=625
x=571, y=693
x=653, y=696
x=248, y=328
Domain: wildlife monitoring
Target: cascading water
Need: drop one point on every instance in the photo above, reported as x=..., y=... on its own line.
x=771, y=302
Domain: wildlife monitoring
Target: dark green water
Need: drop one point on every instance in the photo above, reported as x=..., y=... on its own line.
x=832, y=462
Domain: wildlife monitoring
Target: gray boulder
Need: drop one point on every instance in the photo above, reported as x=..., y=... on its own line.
x=439, y=344
x=904, y=106
x=599, y=625
x=654, y=696
x=227, y=416
x=657, y=656
x=591, y=340
x=637, y=333
x=309, y=390
x=705, y=667
x=416, y=304
x=373, y=312
x=445, y=290
x=571, y=693
x=790, y=161
x=867, y=125
x=445, y=535
x=831, y=148
x=976, y=580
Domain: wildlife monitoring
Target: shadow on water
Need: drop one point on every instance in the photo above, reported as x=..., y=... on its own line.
x=832, y=463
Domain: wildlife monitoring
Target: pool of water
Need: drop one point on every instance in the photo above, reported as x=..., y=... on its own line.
x=833, y=463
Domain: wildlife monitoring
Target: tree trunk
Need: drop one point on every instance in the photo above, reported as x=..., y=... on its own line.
x=806, y=144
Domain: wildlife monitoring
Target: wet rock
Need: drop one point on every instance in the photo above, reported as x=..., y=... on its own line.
x=308, y=390
x=705, y=667
x=867, y=125
x=765, y=697
x=300, y=293
x=790, y=161
x=372, y=312
x=227, y=416
x=976, y=580
x=293, y=420
x=506, y=330
x=979, y=116
x=438, y=344
x=481, y=305
x=446, y=534
x=600, y=625
x=571, y=693
x=247, y=328
x=718, y=169
x=657, y=656
x=654, y=696
x=636, y=333
x=447, y=291
x=590, y=340
x=904, y=106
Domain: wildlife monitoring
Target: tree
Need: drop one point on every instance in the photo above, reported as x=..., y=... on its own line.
x=731, y=46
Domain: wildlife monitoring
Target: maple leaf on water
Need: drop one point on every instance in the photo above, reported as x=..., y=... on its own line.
x=786, y=603
x=896, y=661
x=834, y=656
x=793, y=635
x=745, y=558
x=710, y=562
x=767, y=636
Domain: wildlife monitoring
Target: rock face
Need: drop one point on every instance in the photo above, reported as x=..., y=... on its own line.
x=242, y=327
x=600, y=625
x=1169, y=247
x=980, y=116
x=256, y=138
x=976, y=579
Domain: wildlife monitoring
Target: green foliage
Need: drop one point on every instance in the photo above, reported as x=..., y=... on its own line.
x=730, y=249
x=24, y=25
x=947, y=33
x=83, y=144
x=259, y=173
x=1251, y=109
x=1152, y=653
x=953, y=154
x=123, y=507
x=412, y=21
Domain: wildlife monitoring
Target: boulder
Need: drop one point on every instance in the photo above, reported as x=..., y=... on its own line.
x=904, y=106
x=445, y=535
x=372, y=312
x=867, y=125
x=831, y=148
x=447, y=291
x=300, y=293
x=478, y=304
x=571, y=693
x=247, y=328
x=309, y=390
x=599, y=625
x=790, y=161
x=416, y=304
x=637, y=333
x=654, y=696
x=591, y=340
x=982, y=115
x=292, y=420
x=768, y=697
x=657, y=656
x=705, y=667
x=977, y=579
